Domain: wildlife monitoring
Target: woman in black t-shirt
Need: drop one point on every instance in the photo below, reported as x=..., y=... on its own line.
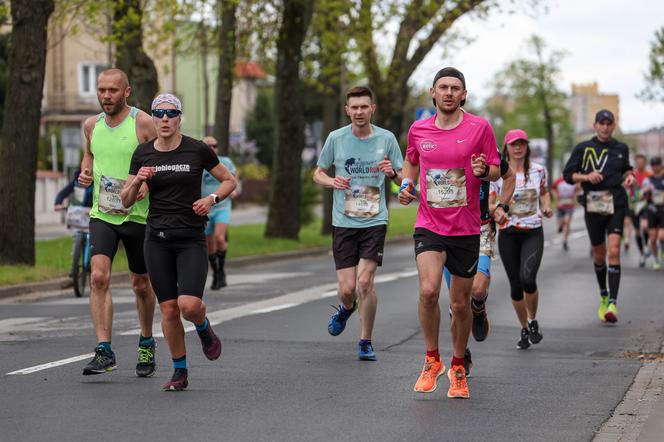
x=175, y=249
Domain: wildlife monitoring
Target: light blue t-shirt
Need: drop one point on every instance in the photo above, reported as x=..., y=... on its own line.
x=364, y=204
x=210, y=184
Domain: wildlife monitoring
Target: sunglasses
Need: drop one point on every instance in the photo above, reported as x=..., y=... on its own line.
x=170, y=113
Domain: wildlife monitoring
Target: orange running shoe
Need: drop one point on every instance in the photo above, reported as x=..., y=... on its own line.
x=458, y=384
x=430, y=373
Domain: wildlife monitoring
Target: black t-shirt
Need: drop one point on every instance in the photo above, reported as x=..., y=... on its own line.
x=484, y=192
x=611, y=159
x=176, y=184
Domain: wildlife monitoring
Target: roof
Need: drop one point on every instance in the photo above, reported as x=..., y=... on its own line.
x=249, y=69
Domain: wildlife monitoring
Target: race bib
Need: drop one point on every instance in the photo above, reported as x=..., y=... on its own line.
x=78, y=196
x=657, y=197
x=639, y=206
x=525, y=203
x=109, y=196
x=362, y=201
x=446, y=188
x=566, y=201
x=600, y=202
x=487, y=239
x=77, y=218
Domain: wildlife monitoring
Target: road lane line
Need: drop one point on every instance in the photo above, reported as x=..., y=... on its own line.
x=275, y=308
x=52, y=364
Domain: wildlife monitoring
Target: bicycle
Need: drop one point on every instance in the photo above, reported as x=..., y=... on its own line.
x=78, y=219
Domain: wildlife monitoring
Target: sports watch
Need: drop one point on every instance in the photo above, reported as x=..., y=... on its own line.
x=505, y=207
x=215, y=198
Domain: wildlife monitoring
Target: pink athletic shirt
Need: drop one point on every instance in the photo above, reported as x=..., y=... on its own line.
x=450, y=193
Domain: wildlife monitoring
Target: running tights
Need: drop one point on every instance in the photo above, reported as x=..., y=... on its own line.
x=521, y=253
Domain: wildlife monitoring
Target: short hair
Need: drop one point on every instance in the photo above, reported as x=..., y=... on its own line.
x=641, y=156
x=359, y=91
x=116, y=71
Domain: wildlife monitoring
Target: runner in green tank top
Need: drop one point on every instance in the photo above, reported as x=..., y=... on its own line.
x=110, y=140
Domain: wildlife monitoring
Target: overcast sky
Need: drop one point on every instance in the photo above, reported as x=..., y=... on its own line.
x=606, y=41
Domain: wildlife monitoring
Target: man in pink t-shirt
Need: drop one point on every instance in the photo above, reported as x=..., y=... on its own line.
x=453, y=151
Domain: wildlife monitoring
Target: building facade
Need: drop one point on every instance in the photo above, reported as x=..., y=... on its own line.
x=585, y=101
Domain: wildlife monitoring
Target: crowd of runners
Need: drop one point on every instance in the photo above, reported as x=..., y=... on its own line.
x=166, y=196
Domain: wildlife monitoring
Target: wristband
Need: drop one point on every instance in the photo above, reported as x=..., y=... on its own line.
x=395, y=174
x=505, y=207
x=485, y=173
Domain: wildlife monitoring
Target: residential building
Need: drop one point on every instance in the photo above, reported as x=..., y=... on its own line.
x=585, y=101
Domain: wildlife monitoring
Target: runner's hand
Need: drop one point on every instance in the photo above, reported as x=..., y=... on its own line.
x=547, y=212
x=478, y=163
x=142, y=192
x=629, y=181
x=594, y=177
x=341, y=182
x=85, y=178
x=407, y=192
x=202, y=206
x=144, y=174
x=499, y=216
x=385, y=166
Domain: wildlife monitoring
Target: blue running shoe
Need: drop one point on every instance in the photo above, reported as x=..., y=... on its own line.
x=338, y=320
x=366, y=352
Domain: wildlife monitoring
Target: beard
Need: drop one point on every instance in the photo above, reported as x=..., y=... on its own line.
x=116, y=109
x=448, y=111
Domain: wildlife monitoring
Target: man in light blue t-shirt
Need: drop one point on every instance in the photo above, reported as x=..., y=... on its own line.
x=363, y=155
x=219, y=217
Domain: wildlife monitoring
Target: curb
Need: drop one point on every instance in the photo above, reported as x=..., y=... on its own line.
x=122, y=278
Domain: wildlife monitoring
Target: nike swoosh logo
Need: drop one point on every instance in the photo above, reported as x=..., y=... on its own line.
x=460, y=141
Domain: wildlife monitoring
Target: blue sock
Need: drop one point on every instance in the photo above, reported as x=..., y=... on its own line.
x=365, y=341
x=106, y=345
x=180, y=362
x=145, y=342
x=203, y=326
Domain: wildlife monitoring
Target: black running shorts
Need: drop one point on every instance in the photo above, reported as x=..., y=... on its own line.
x=104, y=239
x=655, y=217
x=462, y=251
x=601, y=225
x=350, y=245
x=177, y=262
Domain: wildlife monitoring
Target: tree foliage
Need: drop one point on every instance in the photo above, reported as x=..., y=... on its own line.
x=527, y=96
x=654, y=89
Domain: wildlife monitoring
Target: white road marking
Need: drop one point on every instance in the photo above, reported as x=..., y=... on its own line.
x=52, y=364
x=274, y=309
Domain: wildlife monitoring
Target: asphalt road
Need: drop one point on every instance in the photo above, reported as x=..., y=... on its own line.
x=281, y=377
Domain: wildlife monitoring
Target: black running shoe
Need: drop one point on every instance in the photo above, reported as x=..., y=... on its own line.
x=523, y=343
x=146, y=366
x=480, y=322
x=467, y=362
x=102, y=362
x=178, y=382
x=535, y=333
x=565, y=246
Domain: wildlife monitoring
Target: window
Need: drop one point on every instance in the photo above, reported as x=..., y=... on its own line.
x=87, y=78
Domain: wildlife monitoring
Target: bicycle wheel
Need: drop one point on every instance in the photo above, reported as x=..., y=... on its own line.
x=79, y=272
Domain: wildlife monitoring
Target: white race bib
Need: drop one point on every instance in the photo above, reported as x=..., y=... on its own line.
x=658, y=197
x=446, y=188
x=362, y=201
x=524, y=203
x=77, y=218
x=566, y=201
x=109, y=196
x=487, y=239
x=600, y=202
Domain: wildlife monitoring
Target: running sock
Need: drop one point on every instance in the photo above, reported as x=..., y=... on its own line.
x=457, y=361
x=434, y=354
x=214, y=263
x=221, y=259
x=600, y=272
x=639, y=242
x=106, y=345
x=146, y=342
x=203, y=325
x=365, y=341
x=180, y=362
x=614, y=282
x=530, y=321
x=478, y=303
x=604, y=293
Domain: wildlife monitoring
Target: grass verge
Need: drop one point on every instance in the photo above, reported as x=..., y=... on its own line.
x=54, y=256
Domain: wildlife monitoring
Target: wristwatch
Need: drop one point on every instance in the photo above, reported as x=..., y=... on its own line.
x=215, y=198
x=505, y=207
x=395, y=174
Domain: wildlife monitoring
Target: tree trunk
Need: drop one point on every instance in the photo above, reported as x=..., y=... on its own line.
x=331, y=121
x=222, y=118
x=284, y=209
x=550, y=139
x=206, y=80
x=20, y=130
x=130, y=56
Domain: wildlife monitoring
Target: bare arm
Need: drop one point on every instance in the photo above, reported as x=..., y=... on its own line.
x=338, y=182
x=227, y=184
x=145, y=127
x=132, y=188
x=85, y=178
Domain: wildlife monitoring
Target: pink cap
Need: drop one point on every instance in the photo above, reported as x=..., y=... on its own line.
x=515, y=134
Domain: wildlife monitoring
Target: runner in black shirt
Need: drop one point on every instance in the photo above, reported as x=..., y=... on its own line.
x=601, y=164
x=175, y=249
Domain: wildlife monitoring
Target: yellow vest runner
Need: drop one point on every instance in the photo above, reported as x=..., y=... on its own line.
x=112, y=149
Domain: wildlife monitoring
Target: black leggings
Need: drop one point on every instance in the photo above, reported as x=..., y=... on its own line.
x=177, y=262
x=521, y=253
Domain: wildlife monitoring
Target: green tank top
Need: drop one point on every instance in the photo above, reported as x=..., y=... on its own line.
x=112, y=149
